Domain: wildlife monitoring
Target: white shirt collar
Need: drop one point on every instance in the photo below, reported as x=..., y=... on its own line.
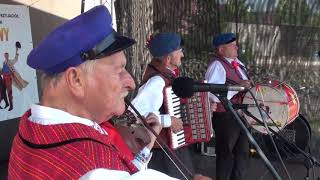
x=51, y=116
x=171, y=70
x=230, y=60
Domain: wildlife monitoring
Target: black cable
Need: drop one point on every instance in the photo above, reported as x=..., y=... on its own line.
x=269, y=134
x=313, y=160
x=257, y=120
x=82, y=5
x=275, y=124
x=309, y=157
x=313, y=170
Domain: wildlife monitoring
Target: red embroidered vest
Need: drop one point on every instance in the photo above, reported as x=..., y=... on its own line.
x=232, y=78
x=62, y=151
x=153, y=69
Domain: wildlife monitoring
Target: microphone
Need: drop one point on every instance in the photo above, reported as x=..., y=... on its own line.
x=185, y=87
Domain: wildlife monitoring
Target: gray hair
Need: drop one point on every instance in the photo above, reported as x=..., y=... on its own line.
x=162, y=57
x=53, y=79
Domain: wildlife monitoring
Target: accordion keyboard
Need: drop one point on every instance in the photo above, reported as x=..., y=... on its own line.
x=174, y=109
x=195, y=113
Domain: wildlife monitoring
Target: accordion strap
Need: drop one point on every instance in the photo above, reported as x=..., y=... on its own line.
x=166, y=75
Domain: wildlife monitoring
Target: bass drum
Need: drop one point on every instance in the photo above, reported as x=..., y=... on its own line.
x=279, y=104
x=297, y=133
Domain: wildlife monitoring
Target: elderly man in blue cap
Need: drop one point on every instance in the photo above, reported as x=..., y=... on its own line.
x=84, y=84
x=166, y=50
x=231, y=143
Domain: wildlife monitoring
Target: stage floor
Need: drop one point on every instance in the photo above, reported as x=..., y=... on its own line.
x=257, y=170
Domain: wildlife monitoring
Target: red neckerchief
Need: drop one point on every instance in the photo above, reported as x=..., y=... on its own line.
x=235, y=64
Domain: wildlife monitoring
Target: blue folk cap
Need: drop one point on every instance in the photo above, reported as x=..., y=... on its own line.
x=164, y=43
x=87, y=36
x=223, y=38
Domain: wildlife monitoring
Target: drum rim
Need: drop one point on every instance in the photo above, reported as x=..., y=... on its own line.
x=284, y=96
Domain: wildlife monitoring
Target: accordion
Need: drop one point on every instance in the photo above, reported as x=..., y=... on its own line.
x=195, y=114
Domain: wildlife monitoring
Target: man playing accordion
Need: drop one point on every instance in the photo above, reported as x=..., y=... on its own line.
x=166, y=50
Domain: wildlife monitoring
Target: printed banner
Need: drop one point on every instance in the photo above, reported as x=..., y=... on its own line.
x=18, y=82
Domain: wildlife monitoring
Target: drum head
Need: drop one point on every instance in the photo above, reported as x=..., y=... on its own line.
x=275, y=101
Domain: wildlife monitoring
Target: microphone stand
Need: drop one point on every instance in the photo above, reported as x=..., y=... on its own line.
x=228, y=105
x=310, y=160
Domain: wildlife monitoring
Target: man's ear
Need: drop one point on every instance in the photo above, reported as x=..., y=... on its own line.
x=166, y=60
x=75, y=81
x=220, y=49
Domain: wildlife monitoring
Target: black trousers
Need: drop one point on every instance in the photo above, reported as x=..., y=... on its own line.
x=162, y=163
x=3, y=92
x=232, y=147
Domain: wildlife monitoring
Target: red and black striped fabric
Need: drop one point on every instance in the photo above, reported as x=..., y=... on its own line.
x=63, y=151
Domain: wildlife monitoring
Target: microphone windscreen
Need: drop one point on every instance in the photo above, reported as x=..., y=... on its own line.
x=183, y=87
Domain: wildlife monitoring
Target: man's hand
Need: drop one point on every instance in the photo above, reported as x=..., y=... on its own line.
x=176, y=124
x=213, y=106
x=200, y=177
x=246, y=83
x=154, y=122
